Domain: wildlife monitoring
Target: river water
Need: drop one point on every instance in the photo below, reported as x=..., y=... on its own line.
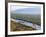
x=35, y=26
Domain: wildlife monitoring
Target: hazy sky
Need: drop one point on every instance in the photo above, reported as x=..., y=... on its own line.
x=26, y=10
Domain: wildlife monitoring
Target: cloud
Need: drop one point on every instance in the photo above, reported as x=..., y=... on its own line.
x=13, y=7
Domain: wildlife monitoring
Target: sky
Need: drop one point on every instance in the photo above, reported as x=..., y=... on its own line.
x=19, y=7
x=26, y=9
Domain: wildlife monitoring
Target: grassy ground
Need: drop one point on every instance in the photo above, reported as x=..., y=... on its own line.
x=19, y=27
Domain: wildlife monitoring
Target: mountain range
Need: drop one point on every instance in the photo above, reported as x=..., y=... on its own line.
x=33, y=11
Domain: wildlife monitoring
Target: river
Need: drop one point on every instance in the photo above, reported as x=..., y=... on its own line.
x=35, y=26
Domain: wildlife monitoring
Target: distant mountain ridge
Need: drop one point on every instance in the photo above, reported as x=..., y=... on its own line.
x=27, y=11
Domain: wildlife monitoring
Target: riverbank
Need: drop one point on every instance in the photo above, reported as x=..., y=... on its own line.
x=35, y=26
x=20, y=27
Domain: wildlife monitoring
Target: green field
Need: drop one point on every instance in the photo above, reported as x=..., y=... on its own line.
x=36, y=19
